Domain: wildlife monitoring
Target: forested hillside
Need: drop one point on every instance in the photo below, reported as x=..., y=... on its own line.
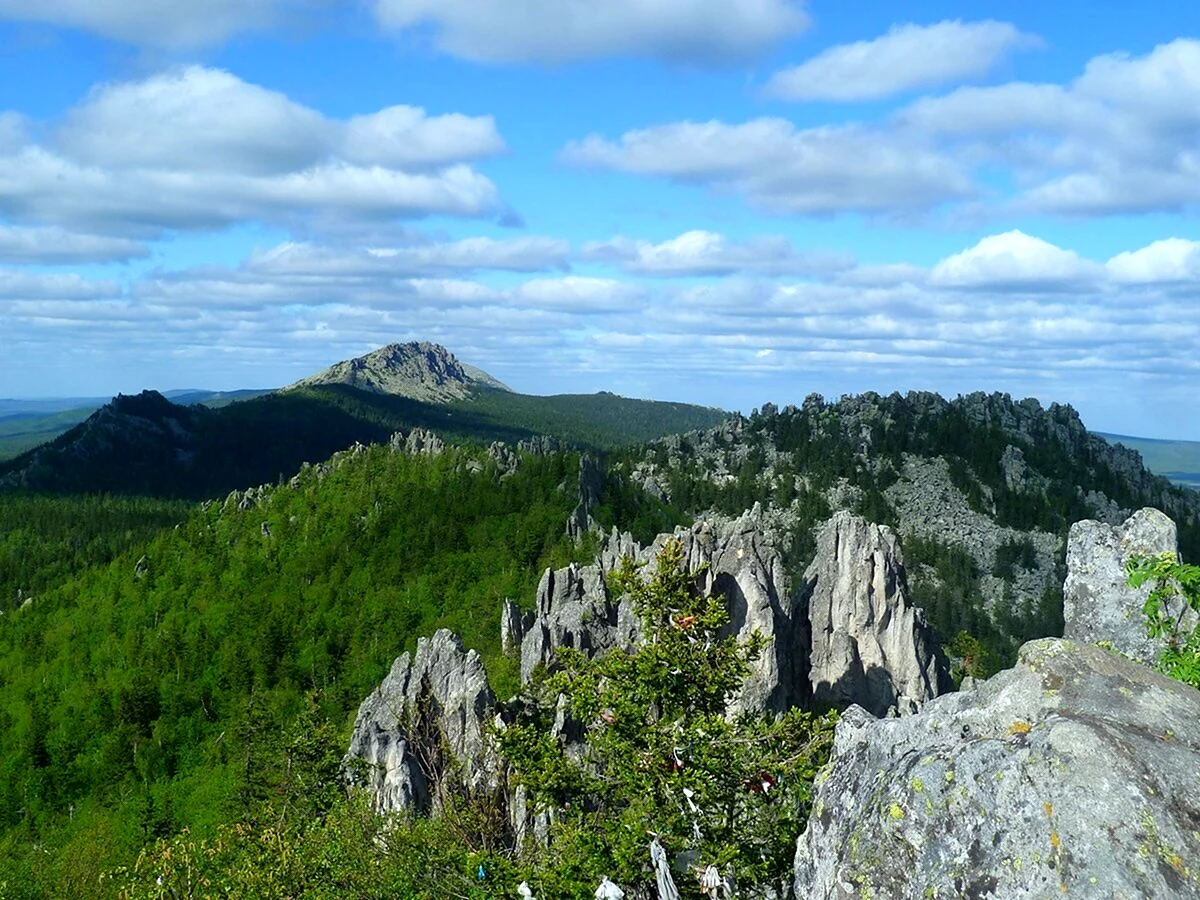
x=148, y=446
x=150, y=694
x=168, y=666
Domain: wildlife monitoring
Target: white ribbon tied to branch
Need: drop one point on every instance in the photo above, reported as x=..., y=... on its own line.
x=662, y=872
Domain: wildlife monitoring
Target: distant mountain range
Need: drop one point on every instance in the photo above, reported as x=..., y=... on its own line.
x=147, y=444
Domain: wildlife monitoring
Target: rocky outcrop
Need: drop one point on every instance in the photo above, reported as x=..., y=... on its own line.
x=426, y=720
x=870, y=645
x=1074, y=773
x=420, y=371
x=1098, y=603
x=930, y=506
x=591, y=487
x=576, y=606
x=574, y=609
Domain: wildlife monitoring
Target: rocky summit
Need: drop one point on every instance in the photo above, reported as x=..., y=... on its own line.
x=419, y=371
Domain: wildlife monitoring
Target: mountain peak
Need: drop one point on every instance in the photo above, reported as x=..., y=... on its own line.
x=418, y=370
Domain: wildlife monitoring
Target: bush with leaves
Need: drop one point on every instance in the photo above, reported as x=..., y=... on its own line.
x=1176, y=590
x=661, y=756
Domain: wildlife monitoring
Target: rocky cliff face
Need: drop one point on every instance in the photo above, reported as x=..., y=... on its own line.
x=1073, y=773
x=870, y=645
x=1098, y=603
x=420, y=371
x=849, y=633
x=576, y=606
x=428, y=717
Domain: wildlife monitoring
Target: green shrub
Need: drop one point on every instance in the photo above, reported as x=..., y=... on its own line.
x=662, y=757
x=1172, y=580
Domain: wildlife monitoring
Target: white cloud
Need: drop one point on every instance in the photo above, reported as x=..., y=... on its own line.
x=56, y=246
x=578, y=294
x=199, y=148
x=906, y=58
x=14, y=132
x=1015, y=260
x=1170, y=260
x=195, y=119
x=162, y=23
x=784, y=170
x=405, y=136
x=707, y=253
x=20, y=285
x=556, y=31
x=995, y=317
x=1121, y=138
x=523, y=254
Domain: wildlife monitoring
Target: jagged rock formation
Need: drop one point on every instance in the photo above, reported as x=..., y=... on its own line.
x=591, y=486
x=1073, y=774
x=852, y=616
x=870, y=645
x=981, y=473
x=1098, y=603
x=432, y=703
x=576, y=606
x=420, y=371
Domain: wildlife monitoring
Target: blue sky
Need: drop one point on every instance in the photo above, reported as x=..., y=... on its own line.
x=706, y=200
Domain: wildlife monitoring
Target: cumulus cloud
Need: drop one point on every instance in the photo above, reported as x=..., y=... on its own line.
x=200, y=148
x=57, y=246
x=557, y=31
x=1004, y=314
x=1015, y=260
x=580, y=295
x=706, y=253
x=175, y=24
x=16, y=284
x=785, y=170
x=1169, y=260
x=524, y=254
x=1120, y=138
x=908, y=57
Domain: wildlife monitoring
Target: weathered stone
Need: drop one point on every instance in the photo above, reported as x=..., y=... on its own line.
x=513, y=625
x=434, y=702
x=1098, y=603
x=1076, y=773
x=870, y=645
x=591, y=486
x=576, y=608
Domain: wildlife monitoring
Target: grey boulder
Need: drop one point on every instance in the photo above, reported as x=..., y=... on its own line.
x=1075, y=773
x=1098, y=603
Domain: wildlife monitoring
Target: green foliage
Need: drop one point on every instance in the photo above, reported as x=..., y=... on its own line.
x=600, y=421
x=46, y=540
x=146, y=445
x=662, y=756
x=1013, y=554
x=1175, y=585
x=974, y=658
x=140, y=697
